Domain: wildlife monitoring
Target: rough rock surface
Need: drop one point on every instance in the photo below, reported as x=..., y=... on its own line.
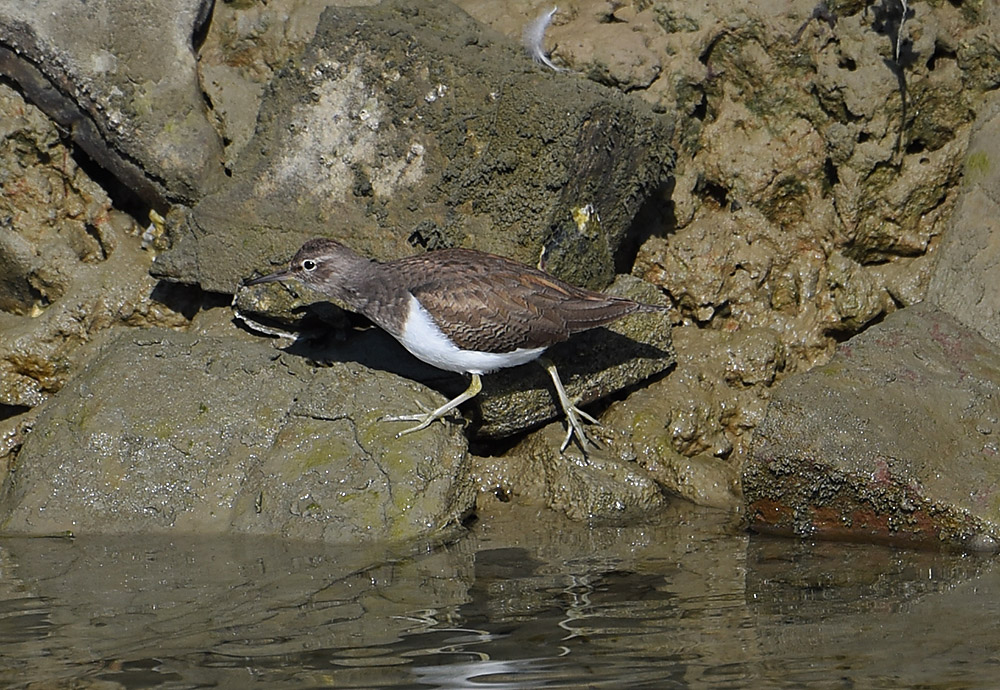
x=598, y=486
x=410, y=124
x=898, y=443
x=801, y=213
x=671, y=434
x=120, y=76
x=896, y=440
x=71, y=265
x=185, y=433
x=808, y=201
x=689, y=429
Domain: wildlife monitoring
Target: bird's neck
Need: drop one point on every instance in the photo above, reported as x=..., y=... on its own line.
x=350, y=280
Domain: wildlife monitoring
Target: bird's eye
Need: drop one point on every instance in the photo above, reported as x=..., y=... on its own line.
x=308, y=265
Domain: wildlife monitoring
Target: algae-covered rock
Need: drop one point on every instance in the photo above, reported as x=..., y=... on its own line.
x=168, y=432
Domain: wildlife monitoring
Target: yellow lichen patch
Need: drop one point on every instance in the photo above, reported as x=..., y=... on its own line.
x=977, y=165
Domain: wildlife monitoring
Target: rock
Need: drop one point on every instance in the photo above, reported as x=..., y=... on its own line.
x=807, y=211
x=648, y=423
x=120, y=76
x=809, y=207
x=689, y=430
x=967, y=273
x=71, y=265
x=167, y=432
x=411, y=125
x=894, y=440
x=600, y=486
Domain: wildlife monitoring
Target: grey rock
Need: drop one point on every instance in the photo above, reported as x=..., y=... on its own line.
x=410, y=124
x=168, y=432
x=896, y=439
x=965, y=278
x=120, y=76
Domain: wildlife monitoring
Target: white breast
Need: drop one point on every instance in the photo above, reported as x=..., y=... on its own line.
x=422, y=337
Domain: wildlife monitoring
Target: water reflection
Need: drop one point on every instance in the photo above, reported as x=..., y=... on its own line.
x=527, y=600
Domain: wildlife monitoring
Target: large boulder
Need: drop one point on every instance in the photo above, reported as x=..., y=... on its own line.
x=967, y=272
x=168, y=432
x=120, y=76
x=409, y=124
x=894, y=440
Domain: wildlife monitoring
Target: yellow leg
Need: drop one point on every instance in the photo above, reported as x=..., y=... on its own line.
x=573, y=413
x=426, y=418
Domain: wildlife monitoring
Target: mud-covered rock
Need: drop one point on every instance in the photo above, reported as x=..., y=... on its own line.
x=596, y=486
x=688, y=430
x=71, y=265
x=896, y=440
x=411, y=125
x=168, y=432
x=815, y=172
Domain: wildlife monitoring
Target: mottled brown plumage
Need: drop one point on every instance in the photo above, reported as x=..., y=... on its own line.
x=491, y=304
x=480, y=303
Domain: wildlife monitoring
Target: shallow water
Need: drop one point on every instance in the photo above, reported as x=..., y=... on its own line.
x=526, y=600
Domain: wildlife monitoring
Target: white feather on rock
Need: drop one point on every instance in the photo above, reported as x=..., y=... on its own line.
x=534, y=38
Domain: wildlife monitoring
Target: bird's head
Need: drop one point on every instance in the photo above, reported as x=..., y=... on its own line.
x=321, y=264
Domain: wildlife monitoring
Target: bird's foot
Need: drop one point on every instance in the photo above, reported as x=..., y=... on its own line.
x=427, y=417
x=572, y=412
x=416, y=417
x=573, y=426
x=424, y=419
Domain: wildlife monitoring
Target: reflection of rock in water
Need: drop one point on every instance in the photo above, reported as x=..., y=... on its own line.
x=808, y=581
x=870, y=613
x=127, y=599
x=530, y=585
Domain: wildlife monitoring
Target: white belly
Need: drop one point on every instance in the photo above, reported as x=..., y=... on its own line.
x=425, y=341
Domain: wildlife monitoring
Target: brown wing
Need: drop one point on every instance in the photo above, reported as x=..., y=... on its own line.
x=491, y=304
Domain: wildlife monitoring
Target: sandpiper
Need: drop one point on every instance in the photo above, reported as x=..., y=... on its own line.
x=461, y=310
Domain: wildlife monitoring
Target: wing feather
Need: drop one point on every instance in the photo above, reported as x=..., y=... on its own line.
x=491, y=304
